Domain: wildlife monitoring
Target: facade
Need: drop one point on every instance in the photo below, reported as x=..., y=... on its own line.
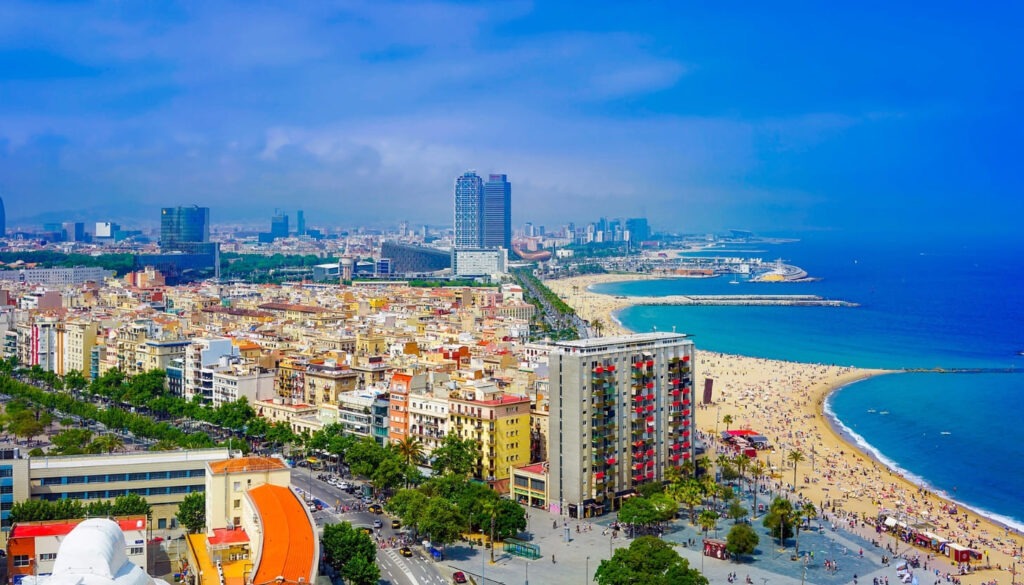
x=428, y=420
x=496, y=213
x=529, y=485
x=202, y=355
x=499, y=422
x=79, y=339
x=621, y=415
x=164, y=478
x=407, y=259
x=3, y=219
x=14, y=486
x=180, y=225
x=57, y=276
x=237, y=379
x=480, y=261
x=469, y=193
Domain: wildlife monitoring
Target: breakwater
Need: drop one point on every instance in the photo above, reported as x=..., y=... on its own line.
x=739, y=300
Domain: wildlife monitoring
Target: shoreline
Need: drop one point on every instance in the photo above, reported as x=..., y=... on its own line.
x=786, y=401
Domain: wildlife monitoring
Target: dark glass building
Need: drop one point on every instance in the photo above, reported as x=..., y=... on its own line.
x=496, y=213
x=179, y=225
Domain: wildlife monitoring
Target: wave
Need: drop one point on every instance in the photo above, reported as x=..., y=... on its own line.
x=862, y=444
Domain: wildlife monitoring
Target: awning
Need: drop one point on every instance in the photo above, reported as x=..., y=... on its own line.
x=890, y=522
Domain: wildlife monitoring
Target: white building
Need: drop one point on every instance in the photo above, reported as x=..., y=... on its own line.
x=233, y=380
x=479, y=261
x=202, y=356
x=57, y=276
x=428, y=419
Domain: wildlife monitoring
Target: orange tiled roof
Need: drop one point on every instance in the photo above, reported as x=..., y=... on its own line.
x=246, y=464
x=288, y=547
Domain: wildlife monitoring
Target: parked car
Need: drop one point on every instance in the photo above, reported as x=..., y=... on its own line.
x=459, y=577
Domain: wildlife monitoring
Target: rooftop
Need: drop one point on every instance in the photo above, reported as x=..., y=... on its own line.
x=289, y=546
x=243, y=464
x=62, y=528
x=621, y=339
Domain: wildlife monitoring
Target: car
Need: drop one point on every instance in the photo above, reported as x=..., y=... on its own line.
x=405, y=551
x=343, y=485
x=378, y=524
x=459, y=577
x=376, y=509
x=366, y=530
x=396, y=524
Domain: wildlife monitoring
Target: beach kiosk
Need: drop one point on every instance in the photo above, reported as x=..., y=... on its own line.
x=715, y=548
x=959, y=553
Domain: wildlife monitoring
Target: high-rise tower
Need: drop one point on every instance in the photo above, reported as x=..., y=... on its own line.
x=496, y=213
x=469, y=191
x=622, y=413
x=180, y=225
x=3, y=219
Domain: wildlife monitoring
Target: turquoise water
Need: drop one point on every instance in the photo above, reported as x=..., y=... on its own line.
x=949, y=305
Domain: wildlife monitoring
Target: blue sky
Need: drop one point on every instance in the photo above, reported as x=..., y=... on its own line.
x=768, y=116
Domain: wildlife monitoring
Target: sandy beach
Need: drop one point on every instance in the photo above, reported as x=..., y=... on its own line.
x=784, y=401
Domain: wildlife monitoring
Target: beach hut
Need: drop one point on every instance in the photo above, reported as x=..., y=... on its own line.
x=959, y=553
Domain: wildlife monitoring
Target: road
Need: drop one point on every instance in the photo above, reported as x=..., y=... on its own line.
x=394, y=568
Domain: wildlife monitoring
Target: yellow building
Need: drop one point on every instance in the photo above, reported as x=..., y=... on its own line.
x=500, y=423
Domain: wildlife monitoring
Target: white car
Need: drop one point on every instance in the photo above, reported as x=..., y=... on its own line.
x=343, y=485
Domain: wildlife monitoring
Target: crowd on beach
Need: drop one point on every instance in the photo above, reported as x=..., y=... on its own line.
x=784, y=402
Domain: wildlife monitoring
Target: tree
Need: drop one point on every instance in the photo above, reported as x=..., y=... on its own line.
x=23, y=424
x=360, y=571
x=598, y=326
x=742, y=462
x=639, y=511
x=192, y=512
x=805, y=512
x=726, y=421
x=647, y=561
x=129, y=505
x=707, y=519
x=106, y=444
x=779, y=519
x=795, y=457
x=343, y=545
x=409, y=505
x=388, y=473
x=71, y=441
x=456, y=455
x=756, y=472
x=410, y=449
x=737, y=510
x=741, y=540
x=649, y=489
x=690, y=495
x=442, y=521
x=665, y=508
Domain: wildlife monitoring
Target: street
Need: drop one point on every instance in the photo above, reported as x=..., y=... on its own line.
x=394, y=568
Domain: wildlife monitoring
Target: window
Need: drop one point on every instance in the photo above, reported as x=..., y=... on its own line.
x=138, y=476
x=96, y=478
x=161, y=524
x=236, y=504
x=237, y=485
x=6, y=489
x=117, y=477
x=6, y=471
x=178, y=473
x=135, y=550
x=47, y=557
x=21, y=560
x=76, y=479
x=51, y=481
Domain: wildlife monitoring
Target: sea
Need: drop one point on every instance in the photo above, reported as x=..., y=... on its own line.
x=945, y=303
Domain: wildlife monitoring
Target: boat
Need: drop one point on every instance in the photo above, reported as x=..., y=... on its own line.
x=734, y=281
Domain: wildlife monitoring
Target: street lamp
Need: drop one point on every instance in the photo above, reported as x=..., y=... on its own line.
x=527, y=563
x=586, y=575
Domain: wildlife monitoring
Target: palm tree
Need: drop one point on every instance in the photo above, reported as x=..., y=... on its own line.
x=783, y=509
x=796, y=457
x=756, y=472
x=411, y=449
x=726, y=421
x=598, y=326
x=707, y=519
x=490, y=508
x=108, y=443
x=689, y=494
x=686, y=468
x=741, y=462
x=805, y=512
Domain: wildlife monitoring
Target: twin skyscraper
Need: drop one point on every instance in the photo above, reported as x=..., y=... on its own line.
x=483, y=212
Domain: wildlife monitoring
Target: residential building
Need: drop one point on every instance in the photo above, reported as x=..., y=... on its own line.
x=79, y=339
x=621, y=414
x=202, y=355
x=234, y=378
x=57, y=276
x=496, y=213
x=529, y=485
x=14, y=486
x=498, y=422
x=428, y=419
x=324, y=382
x=469, y=193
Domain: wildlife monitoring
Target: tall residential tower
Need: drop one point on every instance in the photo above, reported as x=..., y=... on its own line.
x=622, y=414
x=496, y=213
x=469, y=191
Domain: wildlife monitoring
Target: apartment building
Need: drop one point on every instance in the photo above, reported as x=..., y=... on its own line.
x=621, y=414
x=498, y=422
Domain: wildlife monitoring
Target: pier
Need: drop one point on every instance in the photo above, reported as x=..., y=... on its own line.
x=740, y=300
